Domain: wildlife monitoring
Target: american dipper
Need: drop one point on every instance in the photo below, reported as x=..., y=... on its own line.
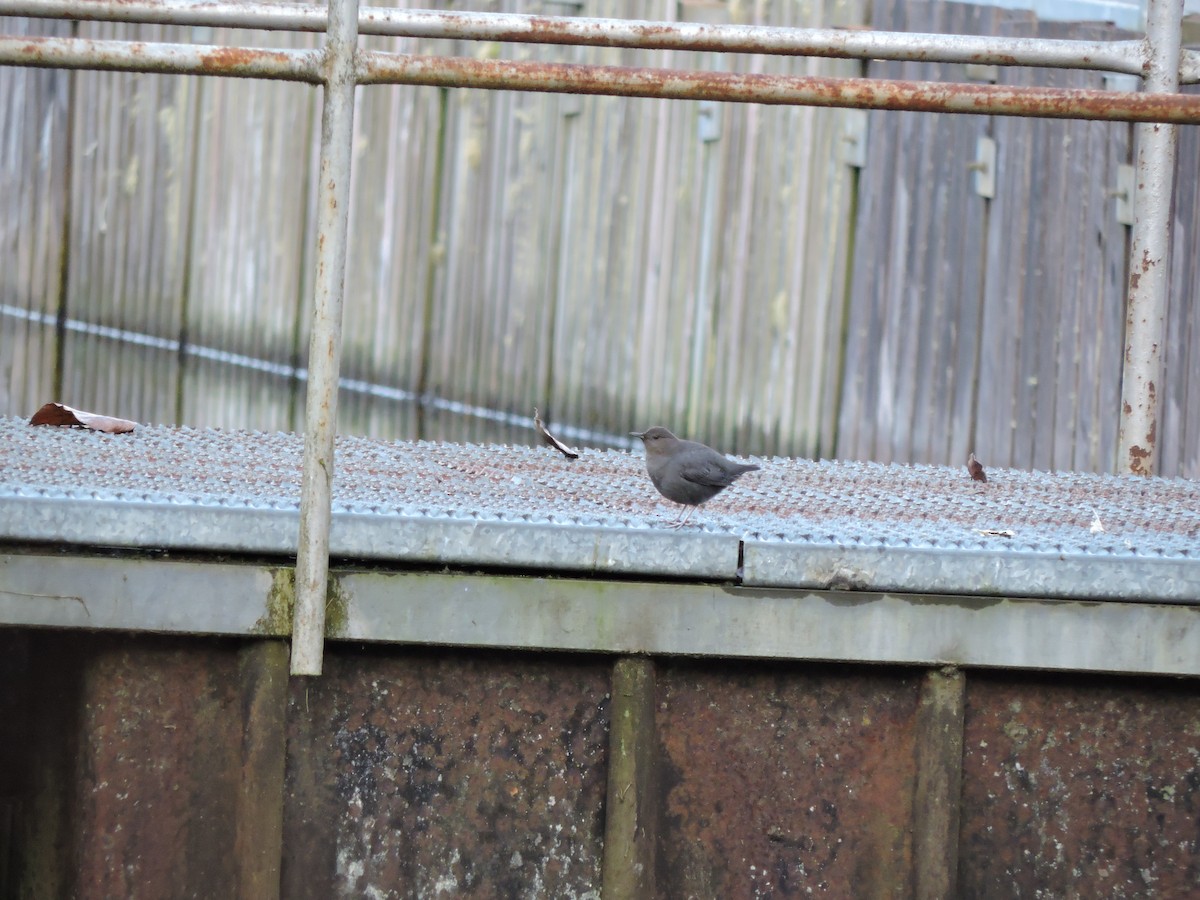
x=687, y=472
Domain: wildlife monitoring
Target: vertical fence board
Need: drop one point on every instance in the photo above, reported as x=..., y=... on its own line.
x=1179, y=425
x=33, y=126
x=1050, y=334
x=917, y=249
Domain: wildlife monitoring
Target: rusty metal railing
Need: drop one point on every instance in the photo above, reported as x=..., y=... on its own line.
x=340, y=66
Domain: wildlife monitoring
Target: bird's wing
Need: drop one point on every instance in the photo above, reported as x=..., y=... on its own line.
x=706, y=473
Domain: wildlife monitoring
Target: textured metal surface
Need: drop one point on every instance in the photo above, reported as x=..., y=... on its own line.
x=418, y=774
x=1079, y=788
x=420, y=502
x=802, y=524
x=780, y=781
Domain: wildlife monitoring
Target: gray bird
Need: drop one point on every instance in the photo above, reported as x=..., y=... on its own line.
x=687, y=472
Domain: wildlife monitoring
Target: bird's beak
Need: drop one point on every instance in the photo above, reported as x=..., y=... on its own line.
x=638, y=434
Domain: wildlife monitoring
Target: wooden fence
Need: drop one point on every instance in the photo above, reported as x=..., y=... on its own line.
x=723, y=269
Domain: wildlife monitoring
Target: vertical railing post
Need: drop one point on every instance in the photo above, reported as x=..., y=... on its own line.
x=325, y=345
x=1149, y=254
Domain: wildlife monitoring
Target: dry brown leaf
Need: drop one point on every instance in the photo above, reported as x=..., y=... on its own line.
x=551, y=440
x=59, y=414
x=975, y=467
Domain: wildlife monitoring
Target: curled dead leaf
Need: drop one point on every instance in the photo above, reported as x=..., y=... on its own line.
x=975, y=467
x=60, y=414
x=551, y=440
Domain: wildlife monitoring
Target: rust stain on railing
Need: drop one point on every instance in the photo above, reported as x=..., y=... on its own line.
x=919, y=96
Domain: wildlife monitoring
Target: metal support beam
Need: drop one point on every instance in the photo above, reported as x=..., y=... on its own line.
x=258, y=837
x=630, y=814
x=325, y=346
x=937, y=797
x=130, y=593
x=1149, y=253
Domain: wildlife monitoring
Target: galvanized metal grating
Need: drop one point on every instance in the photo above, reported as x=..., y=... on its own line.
x=796, y=523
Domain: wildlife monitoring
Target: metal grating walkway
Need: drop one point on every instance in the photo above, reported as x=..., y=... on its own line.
x=795, y=523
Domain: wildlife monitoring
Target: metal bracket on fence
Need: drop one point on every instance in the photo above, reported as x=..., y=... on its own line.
x=854, y=137
x=987, y=74
x=708, y=122
x=984, y=167
x=1120, y=81
x=1124, y=193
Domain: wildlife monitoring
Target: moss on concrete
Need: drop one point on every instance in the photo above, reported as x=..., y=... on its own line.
x=281, y=601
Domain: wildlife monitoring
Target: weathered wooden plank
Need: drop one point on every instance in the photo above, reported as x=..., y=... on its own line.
x=859, y=398
x=33, y=126
x=1111, y=307
x=1179, y=423
x=1001, y=420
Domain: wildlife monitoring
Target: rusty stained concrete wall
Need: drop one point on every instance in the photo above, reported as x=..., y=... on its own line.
x=405, y=772
x=785, y=780
x=1080, y=787
x=128, y=750
x=158, y=772
x=423, y=773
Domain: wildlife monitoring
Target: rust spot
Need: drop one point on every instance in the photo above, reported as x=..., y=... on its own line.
x=224, y=59
x=1128, y=410
x=778, y=89
x=1137, y=460
x=1134, y=279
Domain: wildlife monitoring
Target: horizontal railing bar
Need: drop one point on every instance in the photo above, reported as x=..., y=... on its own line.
x=1111, y=56
x=867, y=93
x=176, y=59
x=388, y=68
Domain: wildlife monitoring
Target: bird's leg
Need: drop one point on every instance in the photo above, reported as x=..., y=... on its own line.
x=684, y=515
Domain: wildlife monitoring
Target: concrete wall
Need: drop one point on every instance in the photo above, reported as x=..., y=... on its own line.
x=155, y=766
